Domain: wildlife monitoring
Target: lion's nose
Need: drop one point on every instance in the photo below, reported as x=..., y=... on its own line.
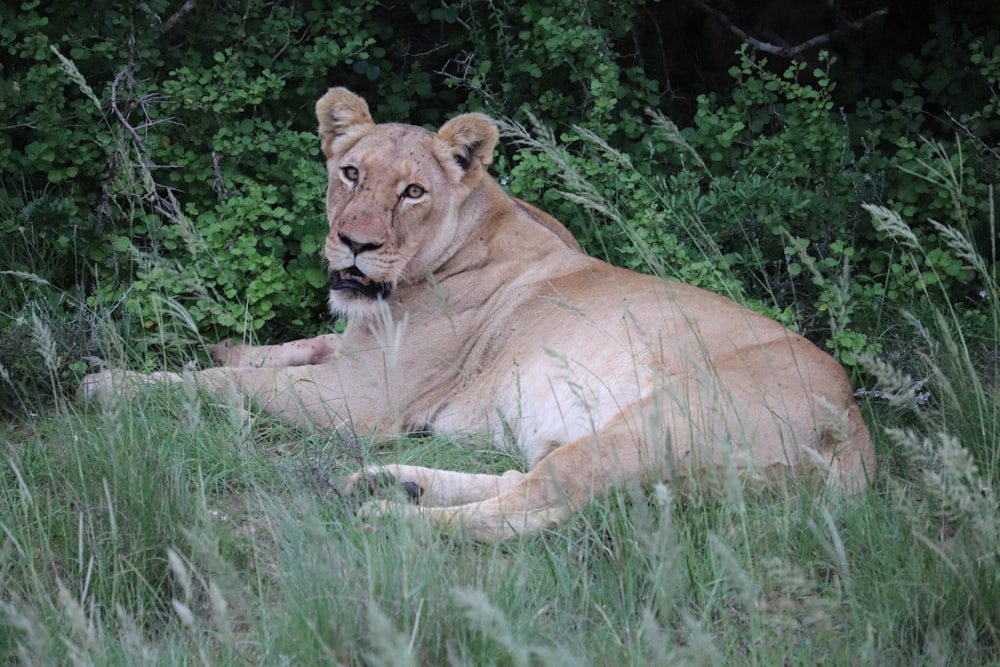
x=357, y=247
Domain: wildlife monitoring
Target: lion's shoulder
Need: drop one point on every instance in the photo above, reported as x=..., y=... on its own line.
x=547, y=221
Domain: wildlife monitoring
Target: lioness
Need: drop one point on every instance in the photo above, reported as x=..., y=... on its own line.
x=470, y=311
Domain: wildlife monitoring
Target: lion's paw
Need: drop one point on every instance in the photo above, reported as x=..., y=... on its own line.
x=378, y=481
x=229, y=353
x=374, y=509
x=373, y=513
x=96, y=386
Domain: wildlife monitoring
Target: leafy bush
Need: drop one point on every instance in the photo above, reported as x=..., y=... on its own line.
x=176, y=149
x=154, y=157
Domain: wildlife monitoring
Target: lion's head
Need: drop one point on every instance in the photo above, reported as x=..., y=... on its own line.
x=394, y=196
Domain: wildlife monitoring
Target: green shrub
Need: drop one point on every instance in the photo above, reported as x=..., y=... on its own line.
x=163, y=157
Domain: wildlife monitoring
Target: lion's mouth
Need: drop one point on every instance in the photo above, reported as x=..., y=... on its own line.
x=352, y=279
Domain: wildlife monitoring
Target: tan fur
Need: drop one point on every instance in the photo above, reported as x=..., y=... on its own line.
x=496, y=323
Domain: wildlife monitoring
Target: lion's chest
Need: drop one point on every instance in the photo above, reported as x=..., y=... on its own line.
x=550, y=374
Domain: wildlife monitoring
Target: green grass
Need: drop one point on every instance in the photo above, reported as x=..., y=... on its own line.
x=173, y=527
x=168, y=529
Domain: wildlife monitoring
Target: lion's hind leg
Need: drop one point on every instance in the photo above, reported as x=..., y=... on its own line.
x=490, y=520
x=523, y=504
x=534, y=502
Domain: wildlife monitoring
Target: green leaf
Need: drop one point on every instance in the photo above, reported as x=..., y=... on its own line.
x=315, y=277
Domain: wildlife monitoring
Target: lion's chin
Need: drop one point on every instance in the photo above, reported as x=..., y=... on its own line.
x=354, y=296
x=348, y=306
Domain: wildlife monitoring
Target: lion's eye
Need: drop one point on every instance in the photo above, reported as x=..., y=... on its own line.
x=351, y=174
x=414, y=191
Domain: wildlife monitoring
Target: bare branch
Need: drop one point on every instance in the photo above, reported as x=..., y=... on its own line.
x=176, y=17
x=118, y=112
x=783, y=51
x=18, y=126
x=162, y=202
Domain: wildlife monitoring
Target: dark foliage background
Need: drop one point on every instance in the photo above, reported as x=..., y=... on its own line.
x=161, y=176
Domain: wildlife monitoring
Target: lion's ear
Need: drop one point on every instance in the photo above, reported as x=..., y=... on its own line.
x=342, y=115
x=467, y=141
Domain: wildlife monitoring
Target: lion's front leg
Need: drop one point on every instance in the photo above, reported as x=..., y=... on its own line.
x=99, y=386
x=430, y=486
x=308, y=351
x=308, y=396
